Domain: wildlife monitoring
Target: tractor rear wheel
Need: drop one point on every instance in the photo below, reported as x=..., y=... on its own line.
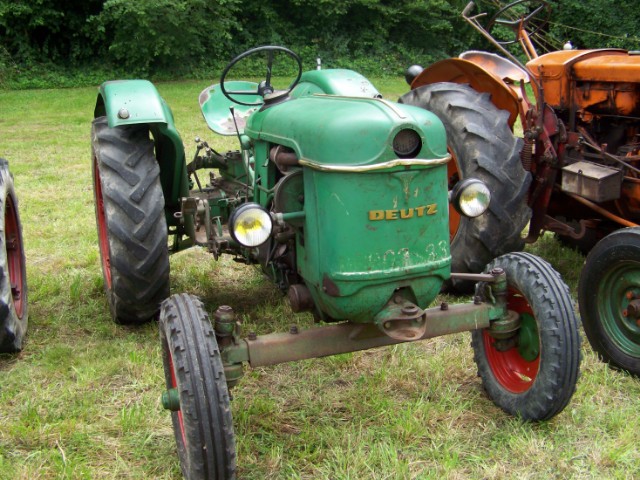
x=194, y=374
x=609, y=299
x=482, y=146
x=13, y=275
x=534, y=377
x=132, y=229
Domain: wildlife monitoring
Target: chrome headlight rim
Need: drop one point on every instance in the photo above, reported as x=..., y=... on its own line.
x=470, y=197
x=245, y=213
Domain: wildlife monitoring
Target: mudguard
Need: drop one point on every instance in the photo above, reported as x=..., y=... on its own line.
x=126, y=102
x=484, y=73
x=137, y=102
x=335, y=82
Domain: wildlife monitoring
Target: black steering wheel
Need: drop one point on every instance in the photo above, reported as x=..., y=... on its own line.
x=520, y=11
x=265, y=87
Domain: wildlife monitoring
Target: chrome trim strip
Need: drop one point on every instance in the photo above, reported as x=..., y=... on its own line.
x=398, y=162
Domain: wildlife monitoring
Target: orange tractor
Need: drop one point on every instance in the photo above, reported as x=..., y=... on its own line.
x=574, y=170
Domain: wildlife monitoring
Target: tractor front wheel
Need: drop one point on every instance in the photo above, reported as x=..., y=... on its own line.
x=534, y=376
x=609, y=299
x=132, y=229
x=13, y=276
x=482, y=146
x=197, y=390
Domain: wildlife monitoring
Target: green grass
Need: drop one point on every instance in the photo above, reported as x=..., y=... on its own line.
x=82, y=399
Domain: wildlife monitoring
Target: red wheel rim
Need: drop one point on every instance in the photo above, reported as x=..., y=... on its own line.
x=174, y=384
x=15, y=255
x=513, y=372
x=103, y=238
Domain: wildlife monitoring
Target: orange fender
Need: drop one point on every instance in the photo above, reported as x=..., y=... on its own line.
x=484, y=72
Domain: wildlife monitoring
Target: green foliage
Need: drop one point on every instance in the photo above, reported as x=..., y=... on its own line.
x=605, y=23
x=365, y=30
x=588, y=25
x=50, y=30
x=196, y=37
x=45, y=42
x=169, y=35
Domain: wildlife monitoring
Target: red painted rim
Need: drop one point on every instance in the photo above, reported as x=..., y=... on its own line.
x=103, y=236
x=512, y=371
x=174, y=384
x=15, y=256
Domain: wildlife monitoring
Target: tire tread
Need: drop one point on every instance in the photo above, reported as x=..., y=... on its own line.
x=186, y=329
x=559, y=366
x=134, y=214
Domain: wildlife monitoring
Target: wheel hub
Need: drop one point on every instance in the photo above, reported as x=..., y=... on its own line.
x=618, y=306
x=171, y=400
x=631, y=308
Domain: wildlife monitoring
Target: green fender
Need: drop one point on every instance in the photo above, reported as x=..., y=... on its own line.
x=335, y=82
x=131, y=102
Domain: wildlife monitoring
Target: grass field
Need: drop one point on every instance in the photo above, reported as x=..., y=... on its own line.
x=83, y=398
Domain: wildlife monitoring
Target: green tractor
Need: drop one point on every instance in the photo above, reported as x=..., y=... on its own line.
x=342, y=199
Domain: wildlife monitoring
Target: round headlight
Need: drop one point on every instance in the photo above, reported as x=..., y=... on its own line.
x=407, y=143
x=250, y=225
x=471, y=197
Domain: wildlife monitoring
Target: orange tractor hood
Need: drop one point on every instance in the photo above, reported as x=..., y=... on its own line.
x=557, y=70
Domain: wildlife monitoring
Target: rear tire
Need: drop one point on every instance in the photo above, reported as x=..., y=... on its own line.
x=484, y=147
x=132, y=229
x=13, y=275
x=536, y=378
x=203, y=425
x=609, y=284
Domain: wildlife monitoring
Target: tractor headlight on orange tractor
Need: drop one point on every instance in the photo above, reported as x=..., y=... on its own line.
x=470, y=197
x=250, y=225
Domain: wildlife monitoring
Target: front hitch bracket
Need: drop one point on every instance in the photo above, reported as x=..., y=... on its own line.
x=401, y=319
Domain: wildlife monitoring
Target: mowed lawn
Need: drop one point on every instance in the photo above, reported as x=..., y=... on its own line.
x=83, y=398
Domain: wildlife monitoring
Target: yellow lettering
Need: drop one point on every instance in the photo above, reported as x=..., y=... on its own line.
x=406, y=213
x=376, y=214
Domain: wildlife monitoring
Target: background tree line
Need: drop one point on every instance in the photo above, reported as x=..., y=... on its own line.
x=87, y=39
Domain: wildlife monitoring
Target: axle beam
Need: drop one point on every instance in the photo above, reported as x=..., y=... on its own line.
x=346, y=337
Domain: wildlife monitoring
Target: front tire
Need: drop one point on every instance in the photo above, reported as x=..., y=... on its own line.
x=132, y=229
x=536, y=378
x=13, y=275
x=193, y=368
x=482, y=146
x=609, y=299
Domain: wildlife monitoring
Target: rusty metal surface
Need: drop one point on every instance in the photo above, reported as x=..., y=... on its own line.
x=300, y=298
x=457, y=70
x=401, y=319
x=350, y=337
x=499, y=66
x=604, y=212
x=474, y=277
